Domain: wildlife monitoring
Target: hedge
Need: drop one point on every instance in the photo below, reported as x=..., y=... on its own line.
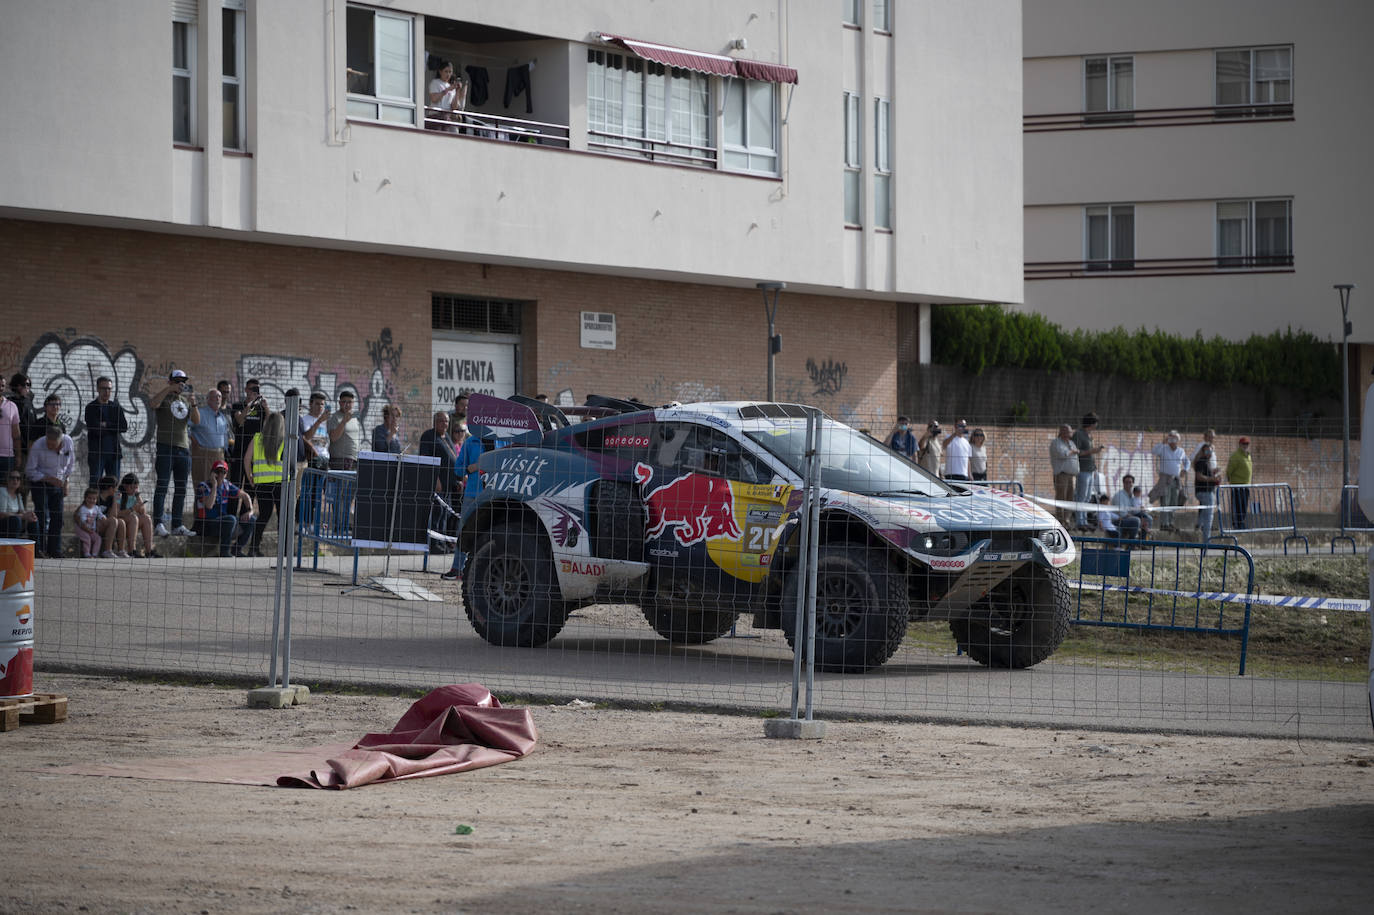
x=980, y=337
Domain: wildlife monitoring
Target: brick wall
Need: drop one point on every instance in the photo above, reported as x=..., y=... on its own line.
x=79, y=302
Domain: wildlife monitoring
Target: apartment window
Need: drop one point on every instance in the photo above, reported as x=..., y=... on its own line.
x=851, y=11
x=232, y=80
x=381, y=66
x=630, y=101
x=1108, y=87
x=751, y=126
x=882, y=163
x=1255, y=76
x=1255, y=233
x=881, y=14
x=183, y=82
x=853, y=161
x=1110, y=234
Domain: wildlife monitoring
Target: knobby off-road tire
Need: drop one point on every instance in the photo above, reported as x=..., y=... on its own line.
x=681, y=613
x=509, y=591
x=1021, y=622
x=862, y=608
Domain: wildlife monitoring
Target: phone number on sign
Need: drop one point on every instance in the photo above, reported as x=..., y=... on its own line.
x=447, y=394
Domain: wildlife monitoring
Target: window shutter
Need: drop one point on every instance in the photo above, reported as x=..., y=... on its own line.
x=186, y=10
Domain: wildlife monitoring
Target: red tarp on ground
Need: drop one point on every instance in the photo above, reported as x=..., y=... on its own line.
x=452, y=729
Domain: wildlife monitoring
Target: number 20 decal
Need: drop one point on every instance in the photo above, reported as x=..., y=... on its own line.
x=760, y=539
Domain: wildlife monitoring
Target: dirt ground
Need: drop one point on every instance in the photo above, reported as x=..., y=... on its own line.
x=632, y=811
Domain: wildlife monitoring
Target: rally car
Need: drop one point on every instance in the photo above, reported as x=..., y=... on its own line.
x=691, y=512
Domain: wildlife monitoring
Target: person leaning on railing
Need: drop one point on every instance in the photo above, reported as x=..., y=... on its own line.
x=448, y=94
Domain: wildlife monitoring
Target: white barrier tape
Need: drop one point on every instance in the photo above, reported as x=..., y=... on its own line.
x=1239, y=597
x=1098, y=506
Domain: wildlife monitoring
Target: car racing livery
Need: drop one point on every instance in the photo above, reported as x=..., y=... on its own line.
x=691, y=512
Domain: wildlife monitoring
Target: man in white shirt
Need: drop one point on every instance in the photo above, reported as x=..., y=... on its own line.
x=958, y=451
x=1131, y=508
x=48, y=467
x=315, y=432
x=345, y=432
x=1064, y=464
x=1171, y=465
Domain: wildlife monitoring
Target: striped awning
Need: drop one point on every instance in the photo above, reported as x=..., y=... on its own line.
x=701, y=61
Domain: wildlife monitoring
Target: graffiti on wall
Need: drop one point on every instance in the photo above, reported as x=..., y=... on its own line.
x=827, y=377
x=278, y=373
x=69, y=370
x=69, y=366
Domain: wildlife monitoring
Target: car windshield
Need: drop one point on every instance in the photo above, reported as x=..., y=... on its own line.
x=850, y=460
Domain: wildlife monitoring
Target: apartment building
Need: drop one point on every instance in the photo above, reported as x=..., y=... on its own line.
x=242, y=188
x=1199, y=167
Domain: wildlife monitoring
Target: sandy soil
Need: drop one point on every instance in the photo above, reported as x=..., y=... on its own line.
x=629, y=811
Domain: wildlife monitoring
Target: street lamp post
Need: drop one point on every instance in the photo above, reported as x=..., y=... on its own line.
x=770, y=307
x=1343, y=290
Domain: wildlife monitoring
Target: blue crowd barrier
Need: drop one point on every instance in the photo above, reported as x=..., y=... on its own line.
x=1155, y=594
x=324, y=513
x=1257, y=508
x=1352, y=517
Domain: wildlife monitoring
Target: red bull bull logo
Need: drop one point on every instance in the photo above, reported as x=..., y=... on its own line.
x=694, y=506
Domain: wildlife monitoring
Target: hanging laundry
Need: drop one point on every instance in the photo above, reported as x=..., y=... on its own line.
x=481, y=87
x=517, y=81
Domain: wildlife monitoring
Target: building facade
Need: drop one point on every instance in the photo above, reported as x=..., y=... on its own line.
x=1199, y=168
x=245, y=189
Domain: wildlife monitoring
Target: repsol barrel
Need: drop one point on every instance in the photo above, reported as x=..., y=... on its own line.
x=16, y=618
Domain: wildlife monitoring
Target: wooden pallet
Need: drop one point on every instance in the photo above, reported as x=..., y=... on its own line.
x=40, y=708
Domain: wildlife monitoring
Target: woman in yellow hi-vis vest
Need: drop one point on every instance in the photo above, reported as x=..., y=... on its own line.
x=264, y=475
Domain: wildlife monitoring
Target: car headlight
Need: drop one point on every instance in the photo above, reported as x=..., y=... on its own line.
x=1054, y=540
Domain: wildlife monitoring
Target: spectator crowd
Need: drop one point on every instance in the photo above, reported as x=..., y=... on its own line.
x=219, y=465
x=228, y=456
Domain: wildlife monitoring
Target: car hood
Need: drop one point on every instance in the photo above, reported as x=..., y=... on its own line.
x=989, y=510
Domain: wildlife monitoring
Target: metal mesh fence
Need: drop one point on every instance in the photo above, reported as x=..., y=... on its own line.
x=656, y=557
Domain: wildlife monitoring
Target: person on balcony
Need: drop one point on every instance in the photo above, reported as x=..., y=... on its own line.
x=447, y=97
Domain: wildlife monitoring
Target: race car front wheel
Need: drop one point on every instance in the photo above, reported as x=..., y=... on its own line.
x=509, y=591
x=1021, y=622
x=861, y=608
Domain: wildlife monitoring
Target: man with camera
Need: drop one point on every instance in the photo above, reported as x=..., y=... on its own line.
x=175, y=409
x=248, y=416
x=958, y=452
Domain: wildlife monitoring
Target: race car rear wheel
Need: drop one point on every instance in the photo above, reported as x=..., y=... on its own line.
x=509, y=591
x=862, y=608
x=1020, y=623
x=676, y=612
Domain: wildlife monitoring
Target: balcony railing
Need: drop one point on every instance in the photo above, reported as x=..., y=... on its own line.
x=669, y=151
x=1159, y=266
x=1156, y=117
x=496, y=127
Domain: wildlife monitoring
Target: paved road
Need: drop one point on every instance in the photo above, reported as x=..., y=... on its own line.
x=214, y=618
